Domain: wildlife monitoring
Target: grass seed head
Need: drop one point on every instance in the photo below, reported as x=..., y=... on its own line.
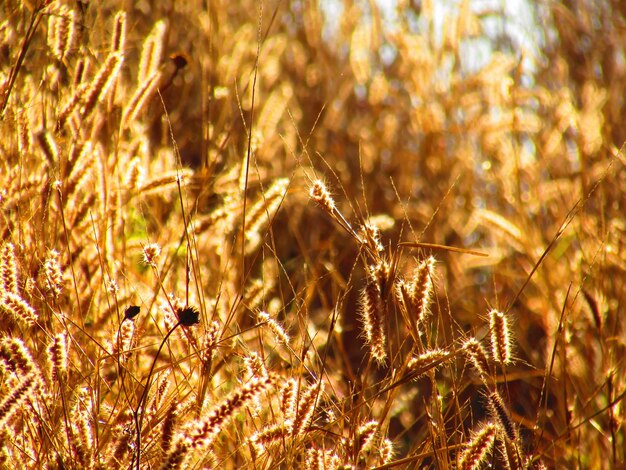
x=321, y=195
x=500, y=337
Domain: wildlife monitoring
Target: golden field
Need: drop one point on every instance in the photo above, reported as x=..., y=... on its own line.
x=312, y=235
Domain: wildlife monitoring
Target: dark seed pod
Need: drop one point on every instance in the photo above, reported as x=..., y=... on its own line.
x=188, y=316
x=131, y=312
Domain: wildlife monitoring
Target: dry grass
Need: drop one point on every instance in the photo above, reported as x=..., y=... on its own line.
x=249, y=235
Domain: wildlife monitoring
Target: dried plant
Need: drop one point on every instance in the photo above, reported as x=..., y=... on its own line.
x=265, y=236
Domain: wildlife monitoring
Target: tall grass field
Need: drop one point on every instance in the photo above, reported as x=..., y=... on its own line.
x=297, y=234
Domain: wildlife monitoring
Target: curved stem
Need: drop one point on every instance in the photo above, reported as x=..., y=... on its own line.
x=139, y=412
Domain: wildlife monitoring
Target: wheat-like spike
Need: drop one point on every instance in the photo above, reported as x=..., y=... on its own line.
x=61, y=31
x=17, y=357
x=386, y=450
x=428, y=360
x=52, y=274
x=478, y=356
x=280, y=336
x=119, y=32
x=143, y=94
x=372, y=236
x=58, y=358
x=360, y=45
x=169, y=424
x=321, y=195
x=151, y=253
x=151, y=52
x=289, y=399
x=372, y=316
x=158, y=396
x=502, y=415
x=211, y=340
x=500, y=337
x=174, y=458
x=17, y=308
x=254, y=365
x=74, y=101
x=78, y=213
x=81, y=428
x=119, y=448
x=206, y=430
x=261, y=212
x=81, y=69
x=478, y=447
x=12, y=402
x=366, y=435
x=421, y=288
x=167, y=181
x=24, y=134
x=135, y=174
x=323, y=459
x=273, y=110
x=124, y=340
x=267, y=436
x=8, y=270
x=306, y=407
x=48, y=146
x=102, y=82
x=402, y=293
x=80, y=166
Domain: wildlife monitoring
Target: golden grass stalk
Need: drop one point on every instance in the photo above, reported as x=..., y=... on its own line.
x=421, y=288
x=206, y=430
x=371, y=235
x=17, y=357
x=289, y=399
x=79, y=166
x=61, y=31
x=478, y=447
x=280, y=336
x=48, y=146
x=306, y=407
x=81, y=69
x=13, y=400
x=254, y=365
x=81, y=426
x=144, y=93
x=386, y=450
x=58, y=358
x=119, y=32
x=261, y=440
x=366, y=436
x=124, y=340
x=322, y=459
x=502, y=415
x=151, y=52
x=168, y=426
x=320, y=194
x=119, y=447
x=24, y=133
x=18, y=309
x=52, y=274
x=102, y=82
x=135, y=174
x=168, y=181
x=151, y=253
x=428, y=360
x=478, y=357
x=371, y=312
x=8, y=270
x=500, y=337
x=261, y=213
